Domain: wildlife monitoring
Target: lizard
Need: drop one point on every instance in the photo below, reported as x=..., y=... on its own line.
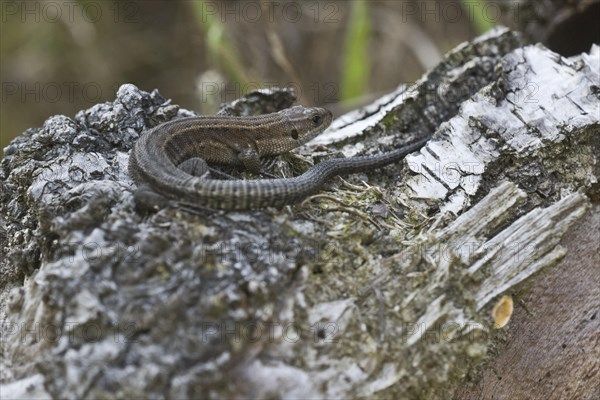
x=170, y=161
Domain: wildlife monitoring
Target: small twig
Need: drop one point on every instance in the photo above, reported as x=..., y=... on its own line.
x=357, y=213
x=324, y=196
x=353, y=186
x=344, y=208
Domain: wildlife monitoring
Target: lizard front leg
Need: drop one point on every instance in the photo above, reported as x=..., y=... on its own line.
x=250, y=159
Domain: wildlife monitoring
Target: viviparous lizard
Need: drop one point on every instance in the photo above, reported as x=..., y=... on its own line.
x=171, y=159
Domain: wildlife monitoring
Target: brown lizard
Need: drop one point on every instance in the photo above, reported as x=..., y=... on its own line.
x=171, y=159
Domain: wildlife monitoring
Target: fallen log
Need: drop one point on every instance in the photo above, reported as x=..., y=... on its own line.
x=383, y=284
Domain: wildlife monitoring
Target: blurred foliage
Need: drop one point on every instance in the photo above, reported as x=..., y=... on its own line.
x=221, y=52
x=481, y=22
x=355, y=81
x=61, y=57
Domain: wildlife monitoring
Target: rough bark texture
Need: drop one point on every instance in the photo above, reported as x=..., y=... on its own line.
x=367, y=288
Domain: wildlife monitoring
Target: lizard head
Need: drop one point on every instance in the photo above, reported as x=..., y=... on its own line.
x=292, y=127
x=305, y=123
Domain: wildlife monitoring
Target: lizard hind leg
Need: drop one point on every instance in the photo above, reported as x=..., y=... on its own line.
x=197, y=166
x=148, y=201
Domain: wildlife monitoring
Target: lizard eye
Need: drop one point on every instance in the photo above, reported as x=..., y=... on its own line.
x=317, y=119
x=295, y=134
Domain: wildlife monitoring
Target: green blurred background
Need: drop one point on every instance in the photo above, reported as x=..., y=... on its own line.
x=58, y=57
